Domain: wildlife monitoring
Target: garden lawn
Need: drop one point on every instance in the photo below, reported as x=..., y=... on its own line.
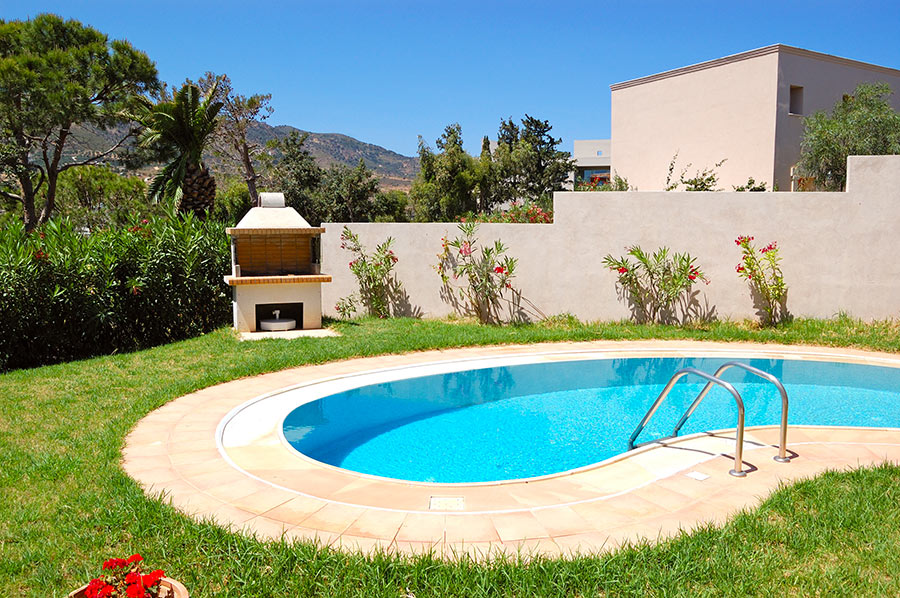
x=66, y=505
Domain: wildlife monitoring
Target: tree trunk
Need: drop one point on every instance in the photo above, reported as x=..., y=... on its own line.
x=249, y=174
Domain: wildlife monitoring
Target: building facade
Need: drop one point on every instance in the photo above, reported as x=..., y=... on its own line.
x=746, y=109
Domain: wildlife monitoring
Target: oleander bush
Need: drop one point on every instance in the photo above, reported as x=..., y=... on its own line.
x=658, y=285
x=67, y=295
x=374, y=272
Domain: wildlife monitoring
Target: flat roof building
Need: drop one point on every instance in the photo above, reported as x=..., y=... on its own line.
x=747, y=109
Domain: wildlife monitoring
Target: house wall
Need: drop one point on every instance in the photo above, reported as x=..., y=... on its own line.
x=721, y=109
x=839, y=249
x=825, y=79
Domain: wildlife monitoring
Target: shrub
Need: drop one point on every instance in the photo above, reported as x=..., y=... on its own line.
x=703, y=180
x=487, y=274
x=374, y=273
x=751, y=185
x=525, y=213
x=762, y=269
x=617, y=183
x=67, y=295
x=656, y=283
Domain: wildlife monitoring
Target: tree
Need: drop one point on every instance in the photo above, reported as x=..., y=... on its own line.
x=861, y=124
x=238, y=114
x=390, y=206
x=297, y=175
x=544, y=168
x=57, y=74
x=345, y=194
x=95, y=197
x=181, y=129
x=445, y=186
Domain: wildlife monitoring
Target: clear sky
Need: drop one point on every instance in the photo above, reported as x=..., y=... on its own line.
x=387, y=71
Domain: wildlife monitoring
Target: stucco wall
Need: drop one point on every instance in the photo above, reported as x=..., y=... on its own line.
x=824, y=82
x=839, y=249
x=705, y=115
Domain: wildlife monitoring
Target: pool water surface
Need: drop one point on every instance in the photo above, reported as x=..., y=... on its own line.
x=530, y=420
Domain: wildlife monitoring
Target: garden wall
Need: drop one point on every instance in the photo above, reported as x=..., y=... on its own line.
x=839, y=250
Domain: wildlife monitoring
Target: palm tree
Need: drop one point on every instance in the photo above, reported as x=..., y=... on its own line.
x=182, y=128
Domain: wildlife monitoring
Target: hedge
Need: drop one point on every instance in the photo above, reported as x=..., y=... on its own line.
x=66, y=294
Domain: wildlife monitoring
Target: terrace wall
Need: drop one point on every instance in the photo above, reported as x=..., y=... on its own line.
x=840, y=250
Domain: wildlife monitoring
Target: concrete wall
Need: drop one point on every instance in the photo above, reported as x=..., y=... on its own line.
x=839, y=249
x=715, y=112
x=825, y=79
x=736, y=107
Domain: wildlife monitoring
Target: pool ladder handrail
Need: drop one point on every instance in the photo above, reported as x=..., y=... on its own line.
x=782, y=444
x=714, y=379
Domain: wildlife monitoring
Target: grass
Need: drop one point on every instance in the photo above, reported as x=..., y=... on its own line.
x=65, y=504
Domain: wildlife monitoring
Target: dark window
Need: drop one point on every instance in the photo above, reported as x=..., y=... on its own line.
x=796, y=100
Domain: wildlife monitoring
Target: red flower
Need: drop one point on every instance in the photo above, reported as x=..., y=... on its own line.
x=105, y=591
x=135, y=591
x=152, y=578
x=133, y=577
x=135, y=558
x=114, y=564
x=739, y=268
x=692, y=277
x=40, y=255
x=623, y=270
x=94, y=588
x=499, y=269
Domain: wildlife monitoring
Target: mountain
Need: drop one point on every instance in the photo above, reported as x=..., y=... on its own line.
x=394, y=171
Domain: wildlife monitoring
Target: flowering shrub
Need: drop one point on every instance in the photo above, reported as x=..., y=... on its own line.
x=374, y=273
x=65, y=294
x=616, y=183
x=527, y=213
x=125, y=577
x=761, y=268
x=486, y=273
x=655, y=283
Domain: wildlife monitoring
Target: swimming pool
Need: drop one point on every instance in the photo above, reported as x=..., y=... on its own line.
x=535, y=419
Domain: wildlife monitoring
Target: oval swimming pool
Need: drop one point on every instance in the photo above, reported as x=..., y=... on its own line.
x=536, y=419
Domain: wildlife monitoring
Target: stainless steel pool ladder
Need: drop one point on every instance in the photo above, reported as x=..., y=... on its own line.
x=715, y=379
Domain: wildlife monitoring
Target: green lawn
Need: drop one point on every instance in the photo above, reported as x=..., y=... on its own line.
x=65, y=504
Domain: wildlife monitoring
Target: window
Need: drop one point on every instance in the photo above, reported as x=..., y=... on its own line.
x=796, y=106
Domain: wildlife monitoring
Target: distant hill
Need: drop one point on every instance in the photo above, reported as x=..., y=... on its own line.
x=394, y=171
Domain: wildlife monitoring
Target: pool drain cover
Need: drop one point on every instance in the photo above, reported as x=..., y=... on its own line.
x=447, y=503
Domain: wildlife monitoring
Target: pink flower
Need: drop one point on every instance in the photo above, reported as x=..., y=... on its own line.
x=466, y=249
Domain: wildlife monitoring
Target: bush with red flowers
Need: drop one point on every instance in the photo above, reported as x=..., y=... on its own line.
x=762, y=269
x=487, y=273
x=525, y=213
x=378, y=284
x=657, y=283
x=125, y=577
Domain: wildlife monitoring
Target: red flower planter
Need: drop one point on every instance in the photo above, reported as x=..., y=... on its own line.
x=168, y=588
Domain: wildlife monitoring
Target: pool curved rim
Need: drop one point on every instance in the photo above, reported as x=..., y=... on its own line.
x=785, y=352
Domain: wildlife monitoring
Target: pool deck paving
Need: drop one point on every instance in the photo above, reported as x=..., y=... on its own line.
x=265, y=488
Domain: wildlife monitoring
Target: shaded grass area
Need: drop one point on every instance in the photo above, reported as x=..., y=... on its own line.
x=65, y=504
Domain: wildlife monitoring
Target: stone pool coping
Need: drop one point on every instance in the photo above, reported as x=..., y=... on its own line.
x=264, y=488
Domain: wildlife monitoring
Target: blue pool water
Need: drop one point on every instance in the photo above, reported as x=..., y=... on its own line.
x=530, y=420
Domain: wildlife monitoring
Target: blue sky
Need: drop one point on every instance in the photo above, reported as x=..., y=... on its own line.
x=387, y=71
